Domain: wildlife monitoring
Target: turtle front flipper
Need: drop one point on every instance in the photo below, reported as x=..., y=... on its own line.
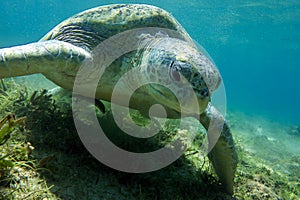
x=40, y=57
x=221, y=148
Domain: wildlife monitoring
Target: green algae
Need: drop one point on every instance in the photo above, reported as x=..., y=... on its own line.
x=48, y=161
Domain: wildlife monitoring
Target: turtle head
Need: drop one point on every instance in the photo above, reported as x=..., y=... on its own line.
x=182, y=77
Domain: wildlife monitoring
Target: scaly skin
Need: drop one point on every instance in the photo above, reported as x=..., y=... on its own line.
x=223, y=155
x=60, y=53
x=36, y=57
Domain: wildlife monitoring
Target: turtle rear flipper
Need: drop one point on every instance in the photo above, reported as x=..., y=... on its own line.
x=40, y=57
x=221, y=148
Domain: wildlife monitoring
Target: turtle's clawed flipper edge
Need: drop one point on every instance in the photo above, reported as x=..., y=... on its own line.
x=40, y=57
x=221, y=148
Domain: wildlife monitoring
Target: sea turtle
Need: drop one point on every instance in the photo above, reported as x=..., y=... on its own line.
x=60, y=53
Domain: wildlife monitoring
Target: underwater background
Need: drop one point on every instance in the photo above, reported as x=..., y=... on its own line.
x=255, y=45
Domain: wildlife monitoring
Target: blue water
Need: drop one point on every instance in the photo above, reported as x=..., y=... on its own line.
x=255, y=44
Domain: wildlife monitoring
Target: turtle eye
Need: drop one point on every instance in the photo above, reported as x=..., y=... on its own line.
x=174, y=72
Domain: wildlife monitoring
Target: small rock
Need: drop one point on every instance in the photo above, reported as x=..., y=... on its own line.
x=294, y=130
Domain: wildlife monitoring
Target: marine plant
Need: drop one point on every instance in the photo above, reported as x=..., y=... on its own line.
x=47, y=160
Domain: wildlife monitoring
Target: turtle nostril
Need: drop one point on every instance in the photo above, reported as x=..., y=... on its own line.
x=203, y=92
